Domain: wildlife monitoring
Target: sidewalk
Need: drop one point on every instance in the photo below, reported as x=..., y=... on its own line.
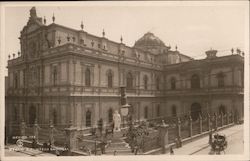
x=197, y=145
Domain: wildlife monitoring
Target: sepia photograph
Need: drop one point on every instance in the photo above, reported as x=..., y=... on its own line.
x=150, y=80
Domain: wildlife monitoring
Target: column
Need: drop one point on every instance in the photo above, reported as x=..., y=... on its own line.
x=74, y=73
x=67, y=70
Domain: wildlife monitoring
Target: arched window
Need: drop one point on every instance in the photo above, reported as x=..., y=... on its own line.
x=222, y=110
x=129, y=81
x=110, y=79
x=54, y=75
x=54, y=114
x=87, y=77
x=146, y=112
x=173, y=83
x=157, y=83
x=195, y=111
x=174, y=112
x=88, y=118
x=15, y=81
x=220, y=78
x=110, y=115
x=145, y=80
x=195, y=81
x=158, y=110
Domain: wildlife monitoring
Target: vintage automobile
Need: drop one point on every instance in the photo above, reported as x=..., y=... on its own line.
x=219, y=143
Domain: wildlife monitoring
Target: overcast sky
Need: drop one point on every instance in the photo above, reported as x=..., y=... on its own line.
x=193, y=26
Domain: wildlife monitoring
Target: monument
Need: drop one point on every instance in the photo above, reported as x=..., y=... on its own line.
x=117, y=121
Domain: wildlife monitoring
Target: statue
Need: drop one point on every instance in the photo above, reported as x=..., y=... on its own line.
x=117, y=121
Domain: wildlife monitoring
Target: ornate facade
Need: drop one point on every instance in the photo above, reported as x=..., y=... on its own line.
x=63, y=74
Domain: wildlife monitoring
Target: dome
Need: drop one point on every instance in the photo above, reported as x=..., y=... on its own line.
x=149, y=39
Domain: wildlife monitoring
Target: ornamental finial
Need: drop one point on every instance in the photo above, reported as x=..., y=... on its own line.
x=44, y=20
x=121, y=39
x=82, y=26
x=53, y=18
x=103, y=33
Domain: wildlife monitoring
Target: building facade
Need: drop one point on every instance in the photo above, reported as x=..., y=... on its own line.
x=63, y=74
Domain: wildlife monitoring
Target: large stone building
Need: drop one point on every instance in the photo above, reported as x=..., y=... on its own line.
x=63, y=74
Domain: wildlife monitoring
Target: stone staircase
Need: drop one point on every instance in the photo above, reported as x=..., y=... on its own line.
x=118, y=146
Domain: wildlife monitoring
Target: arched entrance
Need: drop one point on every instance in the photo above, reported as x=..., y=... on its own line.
x=32, y=114
x=195, y=111
x=222, y=109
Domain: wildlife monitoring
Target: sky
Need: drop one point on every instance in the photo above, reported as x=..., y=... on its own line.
x=194, y=27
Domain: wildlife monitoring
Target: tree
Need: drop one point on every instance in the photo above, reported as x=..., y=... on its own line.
x=135, y=135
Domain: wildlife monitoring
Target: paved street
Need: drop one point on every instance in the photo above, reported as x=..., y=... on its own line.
x=201, y=147
x=235, y=142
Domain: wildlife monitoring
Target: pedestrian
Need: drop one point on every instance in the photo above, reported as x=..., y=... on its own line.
x=113, y=126
x=115, y=152
x=103, y=147
x=49, y=146
x=34, y=143
x=171, y=150
x=136, y=149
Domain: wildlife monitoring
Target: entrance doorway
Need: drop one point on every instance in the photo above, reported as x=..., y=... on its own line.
x=195, y=111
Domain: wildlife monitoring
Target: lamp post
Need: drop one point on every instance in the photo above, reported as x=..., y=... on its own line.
x=124, y=105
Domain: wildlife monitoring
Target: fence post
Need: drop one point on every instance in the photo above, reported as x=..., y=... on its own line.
x=222, y=117
x=163, y=131
x=51, y=133
x=200, y=121
x=190, y=127
x=227, y=114
x=215, y=121
x=232, y=117
x=71, y=140
x=22, y=129
x=179, y=128
x=209, y=122
x=36, y=130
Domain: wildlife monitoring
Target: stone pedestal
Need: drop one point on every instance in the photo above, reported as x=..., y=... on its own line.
x=163, y=132
x=71, y=140
x=117, y=137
